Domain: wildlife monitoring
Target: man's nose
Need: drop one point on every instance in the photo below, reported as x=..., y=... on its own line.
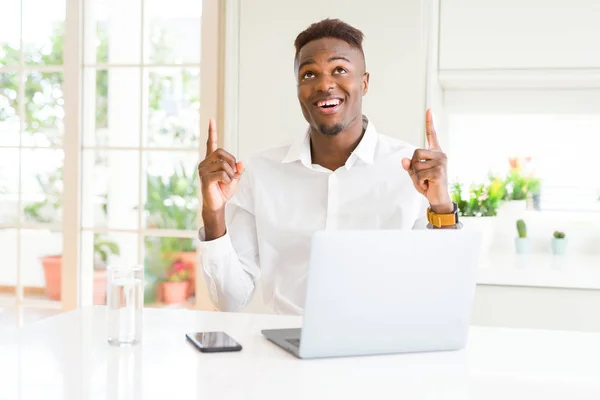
x=325, y=83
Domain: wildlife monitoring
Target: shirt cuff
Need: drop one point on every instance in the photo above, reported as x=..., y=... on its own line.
x=216, y=248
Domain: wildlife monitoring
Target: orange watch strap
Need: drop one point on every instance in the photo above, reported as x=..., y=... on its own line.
x=440, y=220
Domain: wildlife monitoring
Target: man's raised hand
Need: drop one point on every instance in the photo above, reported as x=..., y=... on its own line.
x=219, y=174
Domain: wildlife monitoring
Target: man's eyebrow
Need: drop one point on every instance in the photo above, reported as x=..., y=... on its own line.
x=306, y=62
x=334, y=58
x=311, y=61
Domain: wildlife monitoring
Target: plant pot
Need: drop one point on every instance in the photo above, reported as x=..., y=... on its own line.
x=512, y=209
x=189, y=258
x=559, y=246
x=100, y=286
x=523, y=245
x=537, y=201
x=175, y=292
x=486, y=226
x=52, y=275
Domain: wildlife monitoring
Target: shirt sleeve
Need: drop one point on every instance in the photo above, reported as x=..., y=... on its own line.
x=230, y=264
x=421, y=222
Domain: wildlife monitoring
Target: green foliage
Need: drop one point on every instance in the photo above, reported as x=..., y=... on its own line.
x=8, y=55
x=9, y=102
x=178, y=272
x=482, y=200
x=179, y=276
x=103, y=248
x=43, y=90
x=521, y=229
x=516, y=185
x=164, y=107
x=172, y=202
x=53, y=55
x=43, y=211
x=559, y=235
x=161, y=52
x=534, y=185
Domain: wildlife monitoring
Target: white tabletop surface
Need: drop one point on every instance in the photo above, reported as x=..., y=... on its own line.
x=67, y=357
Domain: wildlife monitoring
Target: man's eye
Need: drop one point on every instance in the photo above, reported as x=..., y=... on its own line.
x=308, y=75
x=339, y=70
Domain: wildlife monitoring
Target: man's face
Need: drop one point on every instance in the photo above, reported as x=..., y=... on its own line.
x=331, y=83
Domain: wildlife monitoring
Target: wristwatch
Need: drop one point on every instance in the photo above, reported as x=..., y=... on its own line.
x=443, y=220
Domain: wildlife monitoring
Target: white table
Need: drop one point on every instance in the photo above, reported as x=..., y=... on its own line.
x=67, y=357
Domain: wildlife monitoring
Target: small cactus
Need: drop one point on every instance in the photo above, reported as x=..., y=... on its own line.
x=522, y=229
x=559, y=235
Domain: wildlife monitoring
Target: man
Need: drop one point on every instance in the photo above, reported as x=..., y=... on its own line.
x=342, y=174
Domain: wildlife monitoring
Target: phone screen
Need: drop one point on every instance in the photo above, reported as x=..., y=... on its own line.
x=213, y=341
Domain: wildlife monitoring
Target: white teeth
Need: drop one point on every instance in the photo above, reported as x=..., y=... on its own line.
x=333, y=102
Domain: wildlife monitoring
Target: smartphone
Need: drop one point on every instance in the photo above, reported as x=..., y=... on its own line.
x=213, y=342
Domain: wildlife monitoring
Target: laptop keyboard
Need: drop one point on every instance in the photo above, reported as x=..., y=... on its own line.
x=294, y=342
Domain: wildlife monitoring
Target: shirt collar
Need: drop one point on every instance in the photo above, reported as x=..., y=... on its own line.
x=366, y=148
x=365, y=151
x=299, y=151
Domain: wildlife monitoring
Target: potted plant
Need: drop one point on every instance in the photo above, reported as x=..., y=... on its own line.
x=559, y=243
x=48, y=210
x=516, y=194
x=53, y=271
x=103, y=249
x=52, y=275
x=534, y=188
x=479, y=207
x=175, y=289
x=516, y=183
x=172, y=203
x=521, y=185
x=522, y=243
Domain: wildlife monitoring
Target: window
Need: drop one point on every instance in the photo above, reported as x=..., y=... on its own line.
x=556, y=148
x=31, y=154
x=551, y=136
x=140, y=103
x=140, y=139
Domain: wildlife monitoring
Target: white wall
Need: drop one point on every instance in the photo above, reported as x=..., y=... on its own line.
x=519, y=34
x=395, y=49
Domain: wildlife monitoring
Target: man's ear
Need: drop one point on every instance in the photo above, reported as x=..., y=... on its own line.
x=365, y=83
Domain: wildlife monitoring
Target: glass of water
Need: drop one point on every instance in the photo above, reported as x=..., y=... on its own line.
x=125, y=301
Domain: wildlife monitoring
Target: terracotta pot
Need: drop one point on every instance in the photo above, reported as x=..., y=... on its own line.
x=52, y=274
x=100, y=286
x=175, y=292
x=190, y=260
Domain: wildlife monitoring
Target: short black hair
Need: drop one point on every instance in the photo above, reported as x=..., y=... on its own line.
x=330, y=28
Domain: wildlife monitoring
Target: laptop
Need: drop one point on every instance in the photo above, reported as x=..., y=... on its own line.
x=384, y=292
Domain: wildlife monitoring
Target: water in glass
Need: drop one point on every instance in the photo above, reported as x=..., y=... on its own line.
x=125, y=301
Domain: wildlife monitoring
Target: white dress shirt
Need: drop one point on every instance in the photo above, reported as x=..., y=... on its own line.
x=282, y=199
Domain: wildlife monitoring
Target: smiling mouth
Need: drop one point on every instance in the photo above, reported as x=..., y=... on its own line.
x=329, y=106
